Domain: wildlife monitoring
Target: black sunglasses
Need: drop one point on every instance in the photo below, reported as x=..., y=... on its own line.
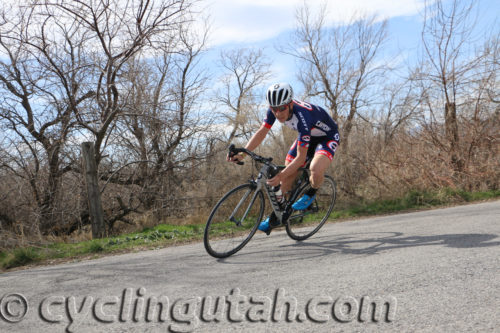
x=279, y=108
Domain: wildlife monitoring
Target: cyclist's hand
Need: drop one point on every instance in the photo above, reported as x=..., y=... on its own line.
x=275, y=181
x=235, y=158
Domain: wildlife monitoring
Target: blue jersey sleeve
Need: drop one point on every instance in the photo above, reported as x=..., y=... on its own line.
x=270, y=119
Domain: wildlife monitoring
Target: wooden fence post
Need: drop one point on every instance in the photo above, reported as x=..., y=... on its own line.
x=93, y=192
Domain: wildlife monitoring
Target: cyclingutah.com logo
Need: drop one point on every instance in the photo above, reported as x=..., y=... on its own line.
x=187, y=314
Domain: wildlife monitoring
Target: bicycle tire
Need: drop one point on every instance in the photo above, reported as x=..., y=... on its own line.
x=303, y=224
x=225, y=231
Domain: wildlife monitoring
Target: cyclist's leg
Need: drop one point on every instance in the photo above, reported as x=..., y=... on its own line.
x=322, y=159
x=286, y=183
x=323, y=156
x=319, y=164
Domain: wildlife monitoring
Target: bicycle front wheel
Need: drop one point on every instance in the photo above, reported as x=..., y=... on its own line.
x=234, y=220
x=302, y=224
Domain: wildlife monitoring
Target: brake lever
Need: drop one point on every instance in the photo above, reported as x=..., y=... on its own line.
x=232, y=153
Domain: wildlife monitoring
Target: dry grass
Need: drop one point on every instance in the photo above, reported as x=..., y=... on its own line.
x=371, y=168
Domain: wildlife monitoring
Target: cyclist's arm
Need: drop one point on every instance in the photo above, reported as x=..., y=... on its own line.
x=257, y=138
x=253, y=143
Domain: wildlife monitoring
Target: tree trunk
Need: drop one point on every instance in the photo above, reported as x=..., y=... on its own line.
x=451, y=129
x=47, y=207
x=93, y=192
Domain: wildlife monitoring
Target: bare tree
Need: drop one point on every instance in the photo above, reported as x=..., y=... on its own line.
x=40, y=78
x=245, y=70
x=447, y=41
x=369, y=38
x=64, y=70
x=479, y=118
x=323, y=56
x=338, y=63
x=164, y=128
x=491, y=65
x=399, y=105
x=118, y=30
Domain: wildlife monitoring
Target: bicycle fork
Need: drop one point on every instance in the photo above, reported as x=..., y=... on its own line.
x=243, y=199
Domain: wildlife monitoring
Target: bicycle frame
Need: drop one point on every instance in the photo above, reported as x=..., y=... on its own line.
x=282, y=213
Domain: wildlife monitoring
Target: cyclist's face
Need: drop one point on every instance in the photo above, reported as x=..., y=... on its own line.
x=282, y=112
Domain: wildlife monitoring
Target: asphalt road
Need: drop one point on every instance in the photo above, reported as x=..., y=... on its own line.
x=430, y=271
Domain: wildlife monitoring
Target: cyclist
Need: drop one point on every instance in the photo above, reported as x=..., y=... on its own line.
x=317, y=141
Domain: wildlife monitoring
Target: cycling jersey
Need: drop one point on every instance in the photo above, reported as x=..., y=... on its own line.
x=309, y=120
x=317, y=130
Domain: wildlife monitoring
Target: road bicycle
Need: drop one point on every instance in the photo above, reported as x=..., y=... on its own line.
x=236, y=217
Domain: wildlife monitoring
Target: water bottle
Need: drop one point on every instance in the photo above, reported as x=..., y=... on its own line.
x=279, y=195
x=280, y=198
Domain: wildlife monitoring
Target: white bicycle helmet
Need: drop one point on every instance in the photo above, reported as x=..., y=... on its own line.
x=279, y=94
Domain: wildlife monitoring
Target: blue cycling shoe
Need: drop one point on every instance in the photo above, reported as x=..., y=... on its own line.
x=303, y=202
x=264, y=226
x=268, y=224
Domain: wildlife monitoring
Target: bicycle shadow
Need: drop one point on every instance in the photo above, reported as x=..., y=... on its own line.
x=364, y=244
x=350, y=244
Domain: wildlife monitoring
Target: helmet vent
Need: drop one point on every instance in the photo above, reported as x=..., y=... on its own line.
x=286, y=96
x=279, y=94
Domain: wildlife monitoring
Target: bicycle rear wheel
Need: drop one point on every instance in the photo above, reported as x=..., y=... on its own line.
x=302, y=224
x=234, y=220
